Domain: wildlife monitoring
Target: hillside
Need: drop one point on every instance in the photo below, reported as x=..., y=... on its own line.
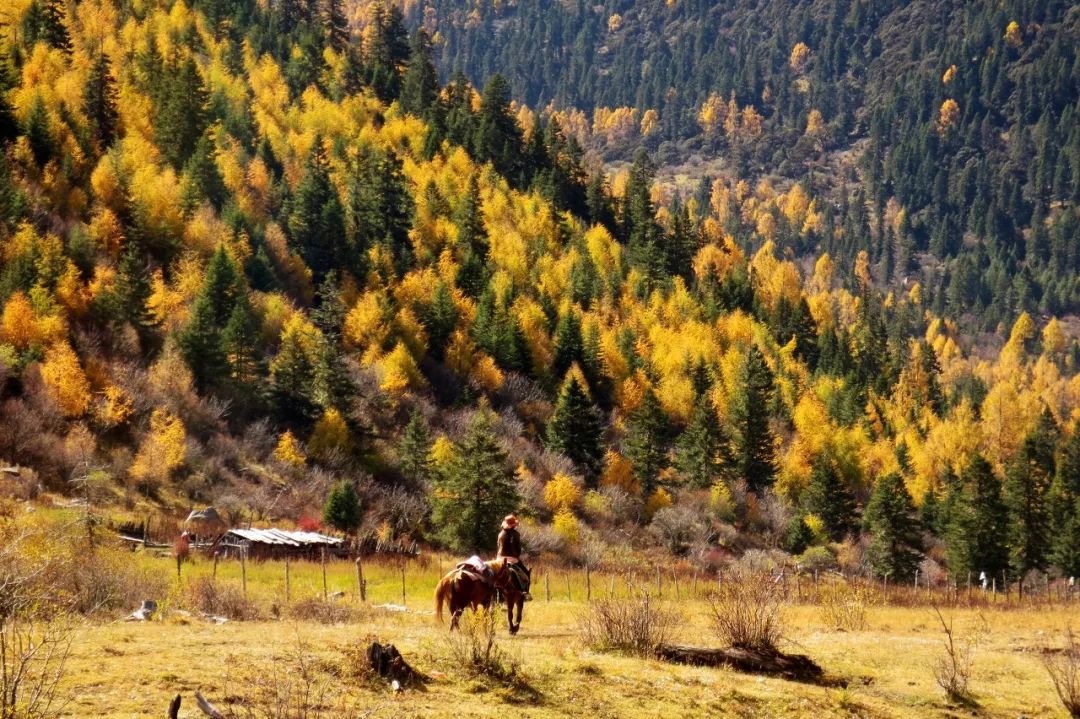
x=960, y=118
x=260, y=257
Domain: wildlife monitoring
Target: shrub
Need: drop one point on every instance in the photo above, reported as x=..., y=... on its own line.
x=1064, y=670
x=637, y=625
x=952, y=670
x=747, y=610
x=843, y=606
x=316, y=610
x=294, y=687
x=476, y=649
x=209, y=596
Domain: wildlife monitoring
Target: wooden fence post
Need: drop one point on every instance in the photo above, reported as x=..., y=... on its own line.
x=243, y=569
x=588, y=584
x=659, y=583
x=611, y=587
x=288, y=583
x=216, y=555
x=403, y=582
x=322, y=561
x=547, y=586
x=569, y=598
x=675, y=583
x=360, y=581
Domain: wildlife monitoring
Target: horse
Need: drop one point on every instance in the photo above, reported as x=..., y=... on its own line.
x=460, y=589
x=512, y=580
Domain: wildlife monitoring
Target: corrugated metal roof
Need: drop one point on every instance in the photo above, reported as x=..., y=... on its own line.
x=279, y=536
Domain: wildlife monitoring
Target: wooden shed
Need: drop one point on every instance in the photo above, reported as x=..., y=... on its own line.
x=277, y=544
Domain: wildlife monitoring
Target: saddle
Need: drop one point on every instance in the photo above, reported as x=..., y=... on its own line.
x=477, y=570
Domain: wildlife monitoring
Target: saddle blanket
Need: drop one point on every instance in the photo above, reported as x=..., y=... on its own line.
x=477, y=570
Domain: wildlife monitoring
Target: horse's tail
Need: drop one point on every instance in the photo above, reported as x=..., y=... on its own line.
x=442, y=594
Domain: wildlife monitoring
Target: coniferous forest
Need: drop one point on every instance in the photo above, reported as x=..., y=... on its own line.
x=691, y=275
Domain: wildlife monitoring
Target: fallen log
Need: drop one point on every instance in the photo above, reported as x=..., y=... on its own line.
x=798, y=667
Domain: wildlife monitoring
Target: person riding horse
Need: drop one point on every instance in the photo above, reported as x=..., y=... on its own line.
x=510, y=547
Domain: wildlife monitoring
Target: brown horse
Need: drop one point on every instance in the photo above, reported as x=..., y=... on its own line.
x=460, y=589
x=512, y=580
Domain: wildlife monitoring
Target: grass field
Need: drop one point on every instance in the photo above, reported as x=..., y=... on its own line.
x=134, y=669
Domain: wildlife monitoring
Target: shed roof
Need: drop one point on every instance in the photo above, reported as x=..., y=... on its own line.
x=282, y=537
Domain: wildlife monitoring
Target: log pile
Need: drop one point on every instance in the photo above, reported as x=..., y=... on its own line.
x=797, y=667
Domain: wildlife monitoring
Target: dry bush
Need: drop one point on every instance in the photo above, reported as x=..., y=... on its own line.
x=1064, y=670
x=207, y=595
x=747, y=609
x=637, y=625
x=475, y=648
x=325, y=612
x=296, y=686
x=843, y=606
x=952, y=670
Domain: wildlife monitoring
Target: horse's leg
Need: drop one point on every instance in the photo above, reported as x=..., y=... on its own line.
x=520, y=608
x=510, y=616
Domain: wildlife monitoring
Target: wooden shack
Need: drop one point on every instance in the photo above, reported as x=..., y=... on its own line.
x=277, y=544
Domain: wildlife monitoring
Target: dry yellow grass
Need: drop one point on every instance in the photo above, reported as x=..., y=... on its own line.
x=133, y=670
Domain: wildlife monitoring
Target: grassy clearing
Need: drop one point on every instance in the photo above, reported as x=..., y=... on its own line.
x=125, y=670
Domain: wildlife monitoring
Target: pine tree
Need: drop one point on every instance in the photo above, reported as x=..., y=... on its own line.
x=420, y=86
x=975, y=539
x=54, y=32
x=337, y=26
x=99, y=102
x=329, y=316
x=133, y=291
x=239, y=340
x=414, y=451
x=646, y=440
x=221, y=286
x=798, y=536
x=38, y=132
x=292, y=389
x=830, y=497
x=317, y=224
x=474, y=491
x=754, y=451
x=342, y=510
x=387, y=53
x=576, y=428
x=895, y=545
x=202, y=179
x=569, y=345
x=1026, y=485
x=180, y=116
x=440, y=318
x=201, y=345
x=472, y=274
x=703, y=451
x=497, y=137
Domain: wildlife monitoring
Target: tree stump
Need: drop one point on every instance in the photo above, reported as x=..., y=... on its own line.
x=387, y=662
x=797, y=667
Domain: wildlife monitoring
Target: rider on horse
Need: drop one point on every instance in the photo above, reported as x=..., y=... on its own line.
x=510, y=547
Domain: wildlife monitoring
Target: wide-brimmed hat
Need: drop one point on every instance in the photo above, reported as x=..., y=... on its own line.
x=509, y=521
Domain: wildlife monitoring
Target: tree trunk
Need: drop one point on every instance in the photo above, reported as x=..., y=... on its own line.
x=757, y=661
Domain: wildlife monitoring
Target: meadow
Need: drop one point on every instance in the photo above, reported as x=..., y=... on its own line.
x=883, y=668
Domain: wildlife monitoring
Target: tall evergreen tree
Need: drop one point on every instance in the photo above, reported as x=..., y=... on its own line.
x=99, y=102
x=180, y=110
x=440, y=318
x=576, y=428
x=133, y=291
x=317, y=224
x=337, y=26
x=474, y=490
x=420, y=85
x=414, y=451
x=830, y=497
x=388, y=51
x=569, y=344
x=293, y=388
x=749, y=413
x=646, y=442
x=975, y=540
x=53, y=30
x=202, y=181
x=239, y=340
x=703, y=451
x=38, y=132
x=200, y=343
x=498, y=138
x=329, y=316
x=472, y=240
x=895, y=545
x=1027, y=483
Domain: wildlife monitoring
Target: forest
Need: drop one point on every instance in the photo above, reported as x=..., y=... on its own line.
x=259, y=256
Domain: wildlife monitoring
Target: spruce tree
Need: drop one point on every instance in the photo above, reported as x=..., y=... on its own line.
x=316, y=225
x=703, y=451
x=440, y=318
x=337, y=26
x=342, y=510
x=895, y=544
x=576, y=428
x=1026, y=485
x=329, y=316
x=133, y=290
x=202, y=181
x=472, y=276
x=239, y=340
x=38, y=132
x=292, y=389
x=200, y=344
x=646, y=440
x=414, y=451
x=569, y=344
x=179, y=116
x=975, y=539
x=749, y=413
x=830, y=497
x=420, y=86
x=474, y=490
x=53, y=29
x=99, y=102
x=497, y=137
